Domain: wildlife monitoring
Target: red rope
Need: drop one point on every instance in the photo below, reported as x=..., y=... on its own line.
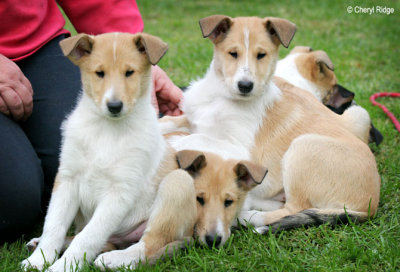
x=385, y=110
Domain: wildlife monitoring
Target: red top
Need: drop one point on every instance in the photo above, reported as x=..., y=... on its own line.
x=27, y=25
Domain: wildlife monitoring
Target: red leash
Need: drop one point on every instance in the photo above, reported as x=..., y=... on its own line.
x=385, y=110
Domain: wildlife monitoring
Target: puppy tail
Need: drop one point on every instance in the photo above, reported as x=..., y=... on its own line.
x=315, y=217
x=356, y=119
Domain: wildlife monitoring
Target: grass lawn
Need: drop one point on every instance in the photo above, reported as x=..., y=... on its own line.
x=366, y=53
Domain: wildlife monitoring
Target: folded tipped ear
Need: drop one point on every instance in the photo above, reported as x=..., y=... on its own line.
x=77, y=46
x=339, y=99
x=191, y=161
x=152, y=46
x=322, y=60
x=215, y=27
x=281, y=30
x=249, y=174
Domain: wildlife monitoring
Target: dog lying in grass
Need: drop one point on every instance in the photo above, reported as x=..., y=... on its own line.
x=220, y=188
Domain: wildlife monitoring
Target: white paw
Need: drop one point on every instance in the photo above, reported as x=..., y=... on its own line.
x=129, y=257
x=32, y=244
x=28, y=264
x=65, y=265
x=261, y=230
x=254, y=218
x=37, y=260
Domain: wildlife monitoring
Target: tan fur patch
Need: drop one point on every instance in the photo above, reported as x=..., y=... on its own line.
x=312, y=68
x=301, y=49
x=175, y=212
x=56, y=184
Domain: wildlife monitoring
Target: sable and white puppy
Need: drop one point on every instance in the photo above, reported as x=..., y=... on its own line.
x=219, y=188
x=224, y=93
x=312, y=157
x=111, y=149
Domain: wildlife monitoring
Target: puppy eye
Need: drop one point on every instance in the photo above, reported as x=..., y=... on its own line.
x=100, y=74
x=200, y=200
x=233, y=54
x=260, y=55
x=129, y=73
x=228, y=202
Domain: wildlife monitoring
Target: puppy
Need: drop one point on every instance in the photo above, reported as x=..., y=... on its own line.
x=313, y=71
x=111, y=149
x=219, y=189
x=322, y=168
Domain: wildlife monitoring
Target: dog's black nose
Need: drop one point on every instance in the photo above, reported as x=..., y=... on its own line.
x=245, y=86
x=115, y=107
x=213, y=240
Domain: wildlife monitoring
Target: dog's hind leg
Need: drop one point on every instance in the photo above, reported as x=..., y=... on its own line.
x=317, y=173
x=170, y=224
x=260, y=218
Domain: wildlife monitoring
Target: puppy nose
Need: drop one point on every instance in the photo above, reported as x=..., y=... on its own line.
x=115, y=107
x=245, y=86
x=213, y=240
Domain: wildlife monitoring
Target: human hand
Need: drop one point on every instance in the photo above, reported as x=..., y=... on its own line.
x=166, y=95
x=15, y=91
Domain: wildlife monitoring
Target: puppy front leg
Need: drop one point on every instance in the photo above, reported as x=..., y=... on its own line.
x=169, y=227
x=61, y=212
x=88, y=243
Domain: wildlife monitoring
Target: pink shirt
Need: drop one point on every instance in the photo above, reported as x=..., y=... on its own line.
x=27, y=25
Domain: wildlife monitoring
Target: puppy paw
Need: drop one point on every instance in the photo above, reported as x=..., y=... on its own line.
x=32, y=244
x=36, y=260
x=261, y=230
x=129, y=257
x=254, y=218
x=27, y=265
x=65, y=265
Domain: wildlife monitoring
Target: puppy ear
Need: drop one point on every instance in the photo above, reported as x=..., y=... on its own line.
x=152, y=46
x=301, y=49
x=322, y=60
x=215, y=27
x=191, y=161
x=281, y=30
x=375, y=135
x=339, y=99
x=76, y=47
x=249, y=174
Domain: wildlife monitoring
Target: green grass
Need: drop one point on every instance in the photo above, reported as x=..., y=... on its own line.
x=366, y=54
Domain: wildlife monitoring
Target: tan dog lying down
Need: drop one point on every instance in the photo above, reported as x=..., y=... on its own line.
x=220, y=188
